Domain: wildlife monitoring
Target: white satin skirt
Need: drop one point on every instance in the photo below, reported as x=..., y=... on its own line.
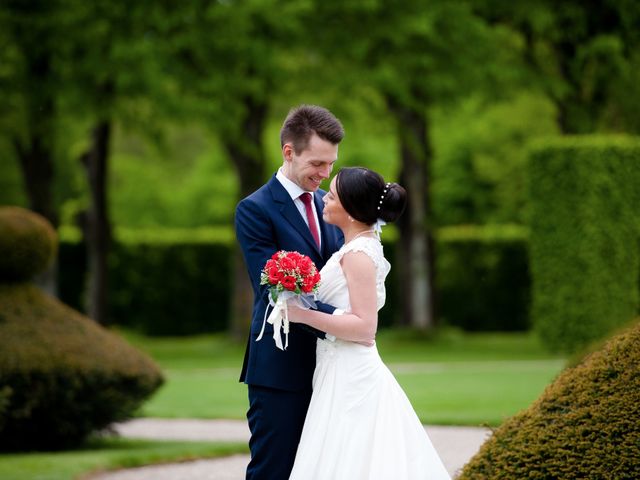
x=360, y=424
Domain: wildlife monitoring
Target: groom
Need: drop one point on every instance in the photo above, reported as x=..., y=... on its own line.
x=286, y=214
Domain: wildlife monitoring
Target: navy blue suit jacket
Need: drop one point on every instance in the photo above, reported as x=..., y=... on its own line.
x=267, y=221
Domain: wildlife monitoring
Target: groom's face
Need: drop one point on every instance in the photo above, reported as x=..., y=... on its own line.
x=310, y=167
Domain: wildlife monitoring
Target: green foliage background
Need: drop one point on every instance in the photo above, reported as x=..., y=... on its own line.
x=177, y=282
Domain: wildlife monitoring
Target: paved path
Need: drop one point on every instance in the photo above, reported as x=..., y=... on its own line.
x=456, y=445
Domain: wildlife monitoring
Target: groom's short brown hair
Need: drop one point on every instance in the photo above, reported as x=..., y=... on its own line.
x=304, y=120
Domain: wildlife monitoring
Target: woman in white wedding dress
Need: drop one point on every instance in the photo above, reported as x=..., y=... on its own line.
x=360, y=424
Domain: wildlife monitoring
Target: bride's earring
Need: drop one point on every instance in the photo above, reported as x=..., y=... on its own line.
x=350, y=218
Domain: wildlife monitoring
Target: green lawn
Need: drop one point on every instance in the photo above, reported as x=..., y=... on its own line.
x=106, y=454
x=454, y=378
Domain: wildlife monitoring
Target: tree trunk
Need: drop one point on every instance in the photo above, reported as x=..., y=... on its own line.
x=568, y=104
x=247, y=154
x=415, y=253
x=97, y=229
x=35, y=152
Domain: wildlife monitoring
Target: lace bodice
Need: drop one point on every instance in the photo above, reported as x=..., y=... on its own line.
x=333, y=287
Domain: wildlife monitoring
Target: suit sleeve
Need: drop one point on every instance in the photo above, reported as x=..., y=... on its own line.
x=255, y=234
x=256, y=237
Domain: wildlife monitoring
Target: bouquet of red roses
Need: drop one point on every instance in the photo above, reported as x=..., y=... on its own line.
x=289, y=275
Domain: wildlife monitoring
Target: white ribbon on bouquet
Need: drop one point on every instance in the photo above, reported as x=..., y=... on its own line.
x=279, y=316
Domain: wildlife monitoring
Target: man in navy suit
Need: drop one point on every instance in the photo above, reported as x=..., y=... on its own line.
x=286, y=214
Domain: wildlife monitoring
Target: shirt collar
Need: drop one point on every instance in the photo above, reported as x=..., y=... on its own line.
x=292, y=189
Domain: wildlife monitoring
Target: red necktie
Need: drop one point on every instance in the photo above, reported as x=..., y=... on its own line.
x=306, y=199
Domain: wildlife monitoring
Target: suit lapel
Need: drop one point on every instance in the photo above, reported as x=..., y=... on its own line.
x=324, y=228
x=291, y=213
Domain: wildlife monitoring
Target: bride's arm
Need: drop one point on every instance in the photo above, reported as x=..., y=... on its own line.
x=361, y=323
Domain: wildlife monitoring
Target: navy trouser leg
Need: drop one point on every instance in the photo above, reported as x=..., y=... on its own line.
x=276, y=418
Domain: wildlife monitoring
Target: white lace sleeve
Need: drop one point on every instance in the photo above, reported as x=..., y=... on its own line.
x=373, y=249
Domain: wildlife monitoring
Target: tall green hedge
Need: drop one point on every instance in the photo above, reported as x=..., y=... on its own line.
x=171, y=284
x=584, y=243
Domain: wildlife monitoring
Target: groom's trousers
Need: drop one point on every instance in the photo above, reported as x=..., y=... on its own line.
x=276, y=418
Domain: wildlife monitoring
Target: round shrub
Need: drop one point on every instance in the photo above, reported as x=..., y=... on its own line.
x=61, y=374
x=585, y=425
x=28, y=244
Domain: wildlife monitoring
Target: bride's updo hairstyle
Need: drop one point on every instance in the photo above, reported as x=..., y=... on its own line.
x=366, y=197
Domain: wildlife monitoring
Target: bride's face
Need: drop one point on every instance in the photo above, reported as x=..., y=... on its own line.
x=333, y=211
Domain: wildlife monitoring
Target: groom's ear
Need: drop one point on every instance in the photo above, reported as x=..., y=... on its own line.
x=287, y=152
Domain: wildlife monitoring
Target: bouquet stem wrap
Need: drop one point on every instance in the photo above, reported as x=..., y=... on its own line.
x=279, y=316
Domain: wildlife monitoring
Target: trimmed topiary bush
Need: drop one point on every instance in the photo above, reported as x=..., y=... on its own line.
x=28, y=244
x=586, y=424
x=584, y=238
x=62, y=376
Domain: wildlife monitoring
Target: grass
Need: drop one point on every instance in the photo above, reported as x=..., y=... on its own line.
x=106, y=454
x=453, y=378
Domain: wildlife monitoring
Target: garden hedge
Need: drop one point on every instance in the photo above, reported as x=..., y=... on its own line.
x=62, y=376
x=166, y=283
x=159, y=284
x=482, y=277
x=584, y=240
x=586, y=424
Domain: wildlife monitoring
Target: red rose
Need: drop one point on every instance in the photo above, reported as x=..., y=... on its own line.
x=295, y=256
x=289, y=282
x=271, y=263
x=307, y=287
x=305, y=266
x=275, y=256
x=287, y=263
x=275, y=275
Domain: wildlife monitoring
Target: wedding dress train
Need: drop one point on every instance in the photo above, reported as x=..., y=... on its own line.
x=360, y=424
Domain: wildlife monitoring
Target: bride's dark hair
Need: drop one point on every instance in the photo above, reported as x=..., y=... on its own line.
x=366, y=197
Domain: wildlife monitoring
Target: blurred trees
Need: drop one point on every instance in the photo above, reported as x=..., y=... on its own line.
x=32, y=32
x=464, y=85
x=113, y=68
x=68, y=59
x=585, y=56
x=404, y=51
x=229, y=60
x=480, y=159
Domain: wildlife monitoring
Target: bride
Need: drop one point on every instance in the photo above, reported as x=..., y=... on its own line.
x=360, y=424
